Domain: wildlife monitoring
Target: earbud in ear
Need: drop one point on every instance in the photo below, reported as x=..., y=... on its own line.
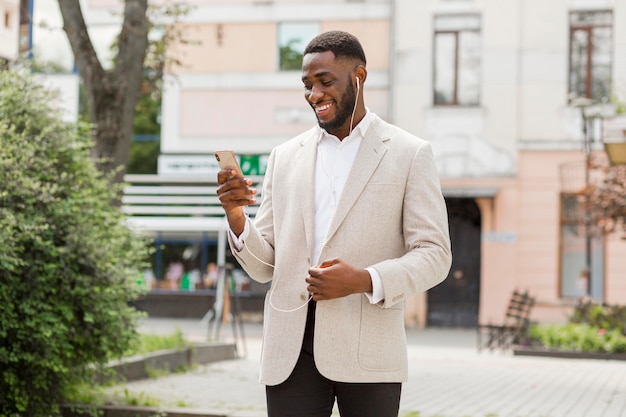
x=357, y=82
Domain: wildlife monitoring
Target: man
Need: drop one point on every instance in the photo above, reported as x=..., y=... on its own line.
x=352, y=222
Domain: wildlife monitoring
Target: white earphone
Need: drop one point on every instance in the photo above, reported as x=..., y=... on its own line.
x=358, y=90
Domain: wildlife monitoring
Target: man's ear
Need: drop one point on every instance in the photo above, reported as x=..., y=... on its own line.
x=361, y=73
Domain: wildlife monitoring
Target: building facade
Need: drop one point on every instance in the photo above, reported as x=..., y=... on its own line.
x=493, y=85
x=238, y=85
x=10, y=27
x=489, y=83
x=496, y=87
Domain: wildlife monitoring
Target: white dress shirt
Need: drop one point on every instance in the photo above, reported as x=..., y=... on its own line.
x=333, y=165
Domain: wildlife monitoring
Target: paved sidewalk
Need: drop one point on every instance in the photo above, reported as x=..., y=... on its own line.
x=447, y=378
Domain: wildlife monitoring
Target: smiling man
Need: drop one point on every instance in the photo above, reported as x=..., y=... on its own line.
x=352, y=222
x=328, y=79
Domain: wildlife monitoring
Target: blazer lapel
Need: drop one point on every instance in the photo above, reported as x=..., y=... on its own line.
x=368, y=157
x=305, y=163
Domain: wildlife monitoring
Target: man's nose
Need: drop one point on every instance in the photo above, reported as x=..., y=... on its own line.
x=315, y=94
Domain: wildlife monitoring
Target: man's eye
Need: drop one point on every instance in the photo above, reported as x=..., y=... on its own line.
x=327, y=83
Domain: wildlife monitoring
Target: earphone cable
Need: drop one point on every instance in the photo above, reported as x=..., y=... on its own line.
x=275, y=284
x=358, y=90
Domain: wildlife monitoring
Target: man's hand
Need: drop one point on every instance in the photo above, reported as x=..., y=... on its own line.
x=335, y=278
x=234, y=193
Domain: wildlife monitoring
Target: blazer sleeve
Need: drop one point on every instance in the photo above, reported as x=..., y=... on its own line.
x=426, y=234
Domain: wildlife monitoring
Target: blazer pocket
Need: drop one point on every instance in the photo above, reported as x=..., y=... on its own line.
x=382, y=344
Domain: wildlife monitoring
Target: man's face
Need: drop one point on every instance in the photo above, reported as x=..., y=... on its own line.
x=329, y=91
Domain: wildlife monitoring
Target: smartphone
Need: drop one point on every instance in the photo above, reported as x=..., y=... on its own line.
x=227, y=160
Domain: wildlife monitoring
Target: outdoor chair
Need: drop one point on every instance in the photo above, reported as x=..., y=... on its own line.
x=512, y=329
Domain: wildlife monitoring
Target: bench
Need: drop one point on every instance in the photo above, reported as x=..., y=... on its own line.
x=514, y=326
x=158, y=203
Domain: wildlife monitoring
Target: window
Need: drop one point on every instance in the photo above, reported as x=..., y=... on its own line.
x=591, y=36
x=457, y=60
x=579, y=241
x=292, y=39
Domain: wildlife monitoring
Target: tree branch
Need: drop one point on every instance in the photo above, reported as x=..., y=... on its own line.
x=133, y=39
x=85, y=56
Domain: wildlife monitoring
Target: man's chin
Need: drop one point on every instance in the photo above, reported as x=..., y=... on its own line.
x=327, y=126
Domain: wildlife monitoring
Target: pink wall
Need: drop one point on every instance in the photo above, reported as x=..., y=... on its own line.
x=521, y=239
x=233, y=113
x=223, y=48
x=615, y=291
x=538, y=252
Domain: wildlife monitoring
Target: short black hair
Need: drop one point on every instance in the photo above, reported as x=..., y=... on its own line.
x=342, y=44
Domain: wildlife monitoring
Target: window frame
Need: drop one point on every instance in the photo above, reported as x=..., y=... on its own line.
x=588, y=28
x=456, y=33
x=571, y=219
x=280, y=45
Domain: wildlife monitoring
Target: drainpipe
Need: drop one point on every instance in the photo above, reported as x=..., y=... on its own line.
x=392, y=61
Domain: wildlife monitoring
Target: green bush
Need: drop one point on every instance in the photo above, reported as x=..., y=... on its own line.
x=575, y=337
x=67, y=261
x=592, y=327
x=603, y=316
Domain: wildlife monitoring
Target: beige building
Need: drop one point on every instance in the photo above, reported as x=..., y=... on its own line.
x=491, y=84
x=494, y=85
x=239, y=84
x=9, y=29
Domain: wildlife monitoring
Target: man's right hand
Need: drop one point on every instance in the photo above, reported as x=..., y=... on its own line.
x=234, y=193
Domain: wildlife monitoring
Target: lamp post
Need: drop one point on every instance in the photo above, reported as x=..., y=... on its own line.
x=592, y=111
x=584, y=103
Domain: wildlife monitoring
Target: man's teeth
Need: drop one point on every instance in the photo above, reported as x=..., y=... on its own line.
x=322, y=107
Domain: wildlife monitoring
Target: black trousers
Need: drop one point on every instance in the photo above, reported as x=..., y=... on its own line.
x=306, y=393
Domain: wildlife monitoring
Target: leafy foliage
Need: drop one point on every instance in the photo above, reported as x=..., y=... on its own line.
x=579, y=338
x=592, y=328
x=68, y=263
x=602, y=316
x=144, y=157
x=604, y=199
x=290, y=58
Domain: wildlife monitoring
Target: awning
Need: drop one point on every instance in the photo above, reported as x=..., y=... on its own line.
x=470, y=192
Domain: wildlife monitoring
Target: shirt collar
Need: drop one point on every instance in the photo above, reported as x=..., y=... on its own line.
x=359, y=130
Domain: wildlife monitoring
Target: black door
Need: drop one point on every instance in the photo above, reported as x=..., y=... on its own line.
x=454, y=302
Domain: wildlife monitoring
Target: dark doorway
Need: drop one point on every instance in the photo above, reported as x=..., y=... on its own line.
x=454, y=302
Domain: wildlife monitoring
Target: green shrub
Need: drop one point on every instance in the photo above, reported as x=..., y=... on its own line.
x=575, y=337
x=67, y=262
x=603, y=316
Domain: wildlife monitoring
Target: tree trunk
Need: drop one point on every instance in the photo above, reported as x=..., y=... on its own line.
x=113, y=94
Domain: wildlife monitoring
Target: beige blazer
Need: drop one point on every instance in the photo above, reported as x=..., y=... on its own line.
x=391, y=216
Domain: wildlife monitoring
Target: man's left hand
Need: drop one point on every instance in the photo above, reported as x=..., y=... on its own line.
x=335, y=278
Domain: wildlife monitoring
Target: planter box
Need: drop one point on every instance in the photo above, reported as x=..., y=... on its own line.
x=136, y=411
x=194, y=304
x=552, y=353
x=138, y=367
